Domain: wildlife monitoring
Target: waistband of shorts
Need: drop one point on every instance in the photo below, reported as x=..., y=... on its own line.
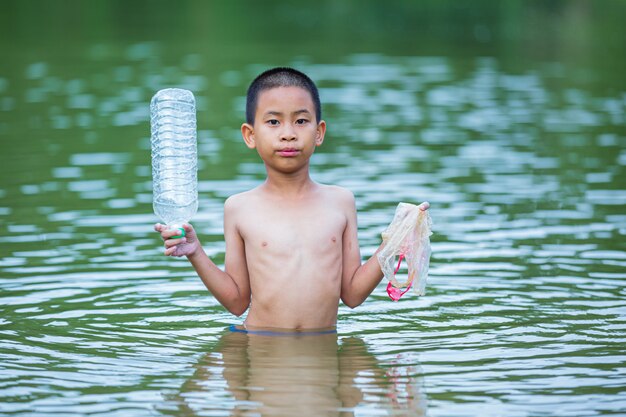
x=236, y=329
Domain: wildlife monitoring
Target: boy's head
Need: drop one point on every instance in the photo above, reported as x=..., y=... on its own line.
x=280, y=77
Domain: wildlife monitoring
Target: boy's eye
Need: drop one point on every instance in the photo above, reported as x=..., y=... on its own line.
x=301, y=121
x=272, y=122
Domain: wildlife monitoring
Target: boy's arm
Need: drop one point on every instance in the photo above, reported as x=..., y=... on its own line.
x=357, y=281
x=230, y=287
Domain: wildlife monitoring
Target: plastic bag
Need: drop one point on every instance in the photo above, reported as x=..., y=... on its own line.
x=406, y=238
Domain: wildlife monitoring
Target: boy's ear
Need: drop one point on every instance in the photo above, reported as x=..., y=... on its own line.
x=321, y=131
x=247, y=132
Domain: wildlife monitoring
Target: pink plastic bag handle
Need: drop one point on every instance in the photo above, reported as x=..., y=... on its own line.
x=393, y=292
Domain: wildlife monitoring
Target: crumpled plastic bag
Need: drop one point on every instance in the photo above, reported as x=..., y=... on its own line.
x=406, y=238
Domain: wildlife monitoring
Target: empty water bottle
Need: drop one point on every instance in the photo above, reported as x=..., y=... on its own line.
x=174, y=156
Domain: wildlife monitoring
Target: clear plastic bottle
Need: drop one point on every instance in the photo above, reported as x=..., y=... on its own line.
x=174, y=156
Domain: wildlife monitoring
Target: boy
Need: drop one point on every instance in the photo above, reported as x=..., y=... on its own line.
x=291, y=243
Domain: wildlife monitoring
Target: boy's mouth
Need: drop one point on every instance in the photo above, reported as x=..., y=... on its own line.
x=287, y=152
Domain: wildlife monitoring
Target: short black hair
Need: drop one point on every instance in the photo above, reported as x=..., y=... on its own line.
x=280, y=77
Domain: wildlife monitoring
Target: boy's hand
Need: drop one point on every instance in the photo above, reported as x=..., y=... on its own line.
x=184, y=246
x=424, y=206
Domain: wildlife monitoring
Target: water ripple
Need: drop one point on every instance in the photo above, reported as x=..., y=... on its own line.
x=524, y=311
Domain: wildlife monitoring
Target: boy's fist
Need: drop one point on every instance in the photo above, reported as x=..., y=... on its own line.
x=184, y=246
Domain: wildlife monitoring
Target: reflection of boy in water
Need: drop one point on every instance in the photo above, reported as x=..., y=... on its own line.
x=291, y=244
x=297, y=376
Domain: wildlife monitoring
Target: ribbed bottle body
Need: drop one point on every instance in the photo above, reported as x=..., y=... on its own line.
x=174, y=155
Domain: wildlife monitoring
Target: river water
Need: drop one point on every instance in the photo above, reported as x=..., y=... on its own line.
x=524, y=312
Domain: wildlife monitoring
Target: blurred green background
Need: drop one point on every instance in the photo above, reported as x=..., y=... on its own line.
x=578, y=32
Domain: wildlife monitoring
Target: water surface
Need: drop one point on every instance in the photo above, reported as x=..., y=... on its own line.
x=522, y=162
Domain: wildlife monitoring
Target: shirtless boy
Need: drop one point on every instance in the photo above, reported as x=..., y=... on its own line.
x=291, y=243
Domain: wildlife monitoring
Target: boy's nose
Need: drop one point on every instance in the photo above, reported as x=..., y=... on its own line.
x=287, y=134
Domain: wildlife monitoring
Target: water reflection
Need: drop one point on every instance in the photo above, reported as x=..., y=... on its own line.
x=295, y=375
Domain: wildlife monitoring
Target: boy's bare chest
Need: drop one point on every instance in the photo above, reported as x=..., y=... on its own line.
x=292, y=227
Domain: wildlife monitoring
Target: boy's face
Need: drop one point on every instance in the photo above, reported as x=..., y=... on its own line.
x=285, y=131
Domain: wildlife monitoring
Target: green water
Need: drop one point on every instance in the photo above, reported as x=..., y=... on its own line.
x=507, y=116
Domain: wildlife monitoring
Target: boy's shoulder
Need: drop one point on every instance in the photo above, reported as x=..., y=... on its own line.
x=334, y=197
x=236, y=200
x=338, y=192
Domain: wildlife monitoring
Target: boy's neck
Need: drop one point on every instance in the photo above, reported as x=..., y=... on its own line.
x=288, y=185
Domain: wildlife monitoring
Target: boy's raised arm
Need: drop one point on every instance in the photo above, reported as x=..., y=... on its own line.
x=231, y=287
x=358, y=280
